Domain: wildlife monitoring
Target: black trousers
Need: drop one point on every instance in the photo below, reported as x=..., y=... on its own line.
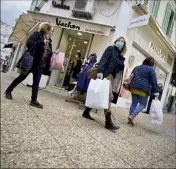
x=171, y=101
x=37, y=73
x=149, y=103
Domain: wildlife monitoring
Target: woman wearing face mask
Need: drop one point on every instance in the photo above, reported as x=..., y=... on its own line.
x=111, y=66
x=39, y=47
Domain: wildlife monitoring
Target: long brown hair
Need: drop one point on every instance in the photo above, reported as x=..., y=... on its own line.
x=124, y=49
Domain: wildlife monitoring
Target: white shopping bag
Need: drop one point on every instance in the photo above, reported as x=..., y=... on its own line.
x=156, y=112
x=98, y=94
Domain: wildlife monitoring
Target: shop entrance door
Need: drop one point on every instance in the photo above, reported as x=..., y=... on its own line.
x=73, y=42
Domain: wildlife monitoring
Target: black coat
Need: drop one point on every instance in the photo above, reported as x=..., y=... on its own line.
x=35, y=44
x=78, y=66
x=111, y=62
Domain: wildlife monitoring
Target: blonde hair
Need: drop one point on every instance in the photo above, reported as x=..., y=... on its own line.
x=44, y=27
x=124, y=49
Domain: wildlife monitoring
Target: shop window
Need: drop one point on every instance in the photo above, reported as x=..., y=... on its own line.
x=169, y=19
x=154, y=7
x=143, y=2
x=72, y=42
x=169, y=60
x=37, y=4
x=161, y=75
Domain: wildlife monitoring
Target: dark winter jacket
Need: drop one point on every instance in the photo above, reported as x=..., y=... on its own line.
x=35, y=44
x=78, y=66
x=144, y=79
x=111, y=62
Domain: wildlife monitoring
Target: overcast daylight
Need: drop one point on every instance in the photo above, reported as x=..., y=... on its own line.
x=88, y=84
x=12, y=9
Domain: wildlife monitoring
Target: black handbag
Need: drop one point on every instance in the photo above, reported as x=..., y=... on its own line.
x=26, y=61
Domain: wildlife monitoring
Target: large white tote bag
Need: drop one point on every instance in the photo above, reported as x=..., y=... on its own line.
x=98, y=94
x=156, y=112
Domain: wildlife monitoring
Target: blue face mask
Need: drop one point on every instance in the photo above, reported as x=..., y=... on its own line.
x=119, y=45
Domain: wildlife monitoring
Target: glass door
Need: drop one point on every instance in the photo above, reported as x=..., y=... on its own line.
x=72, y=42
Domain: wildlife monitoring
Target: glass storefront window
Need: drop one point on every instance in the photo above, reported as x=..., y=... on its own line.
x=72, y=42
x=161, y=75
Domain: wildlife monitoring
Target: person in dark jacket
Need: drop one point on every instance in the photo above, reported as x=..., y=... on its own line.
x=111, y=66
x=39, y=47
x=77, y=64
x=153, y=97
x=143, y=83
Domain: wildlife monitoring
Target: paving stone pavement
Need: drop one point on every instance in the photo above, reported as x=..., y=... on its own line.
x=58, y=137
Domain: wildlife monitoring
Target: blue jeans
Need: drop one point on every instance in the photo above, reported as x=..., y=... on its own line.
x=138, y=104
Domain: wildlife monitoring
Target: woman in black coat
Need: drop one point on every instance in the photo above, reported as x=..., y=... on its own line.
x=77, y=66
x=39, y=46
x=111, y=66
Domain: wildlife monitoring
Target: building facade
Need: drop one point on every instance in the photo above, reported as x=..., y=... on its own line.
x=89, y=26
x=6, y=30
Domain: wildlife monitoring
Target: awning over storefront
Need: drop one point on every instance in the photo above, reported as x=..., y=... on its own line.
x=22, y=28
x=27, y=22
x=71, y=23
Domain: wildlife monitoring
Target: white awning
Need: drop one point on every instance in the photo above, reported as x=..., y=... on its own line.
x=72, y=23
x=22, y=28
x=27, y=22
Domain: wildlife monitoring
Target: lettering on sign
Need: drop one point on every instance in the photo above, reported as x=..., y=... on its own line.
x=139, y=21
x=66, y=25
x=61, y=5
x=40, y=20
x=157, y=51
x=94, y=31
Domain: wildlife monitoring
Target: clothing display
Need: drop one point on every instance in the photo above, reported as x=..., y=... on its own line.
x=84, y=81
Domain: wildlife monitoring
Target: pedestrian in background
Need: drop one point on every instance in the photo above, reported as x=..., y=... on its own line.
x=140, y=87
x=153, y=97
x=39, y=46
x=111, y=66
x=76, y=67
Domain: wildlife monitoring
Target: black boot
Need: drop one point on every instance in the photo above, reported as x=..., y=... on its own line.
x=8, y=95
x=86, y=113
x=108, y=122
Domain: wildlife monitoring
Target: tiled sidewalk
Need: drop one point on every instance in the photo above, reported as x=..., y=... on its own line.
x=58, y=137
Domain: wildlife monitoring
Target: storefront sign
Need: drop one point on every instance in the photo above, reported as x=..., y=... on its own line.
x=70, y=23
x=66, y=25
x=157, y=51
x=61, y=5
x=139, y=21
